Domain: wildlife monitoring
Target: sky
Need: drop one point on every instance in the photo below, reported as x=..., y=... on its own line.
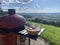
x=35, y=6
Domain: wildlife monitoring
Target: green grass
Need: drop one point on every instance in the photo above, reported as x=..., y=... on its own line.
x=51, y=34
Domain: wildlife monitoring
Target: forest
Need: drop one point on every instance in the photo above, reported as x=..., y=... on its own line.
x=45, y=18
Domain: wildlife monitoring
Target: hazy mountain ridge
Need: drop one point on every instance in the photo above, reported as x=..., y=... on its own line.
x=33, y=14
x=56, y=15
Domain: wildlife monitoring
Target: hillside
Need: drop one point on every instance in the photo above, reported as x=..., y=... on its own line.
x=51, y=34
x=45, y=18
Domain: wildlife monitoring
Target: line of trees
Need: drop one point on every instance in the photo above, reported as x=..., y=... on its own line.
x=46, y=21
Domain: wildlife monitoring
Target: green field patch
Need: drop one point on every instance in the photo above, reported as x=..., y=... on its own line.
x=51, y=33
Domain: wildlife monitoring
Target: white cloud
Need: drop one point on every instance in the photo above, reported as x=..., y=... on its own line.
x=46, y=10
x=3, y=7
x=51, y=10
x=30, y=10
x=36, y=6
x=25, y=1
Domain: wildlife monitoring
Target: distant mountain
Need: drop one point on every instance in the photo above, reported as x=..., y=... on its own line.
x=40, y=14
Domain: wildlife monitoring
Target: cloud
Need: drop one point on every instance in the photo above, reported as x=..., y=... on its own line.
x=37, y=6
x=46, y=10
x=30, y=10
x=50, y=10
x=26, y=1
x=3, y=7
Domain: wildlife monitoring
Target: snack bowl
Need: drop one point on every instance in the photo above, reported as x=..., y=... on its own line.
x=33, y=31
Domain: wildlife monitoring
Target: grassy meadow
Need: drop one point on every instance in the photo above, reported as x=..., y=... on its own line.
x=51, y=34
